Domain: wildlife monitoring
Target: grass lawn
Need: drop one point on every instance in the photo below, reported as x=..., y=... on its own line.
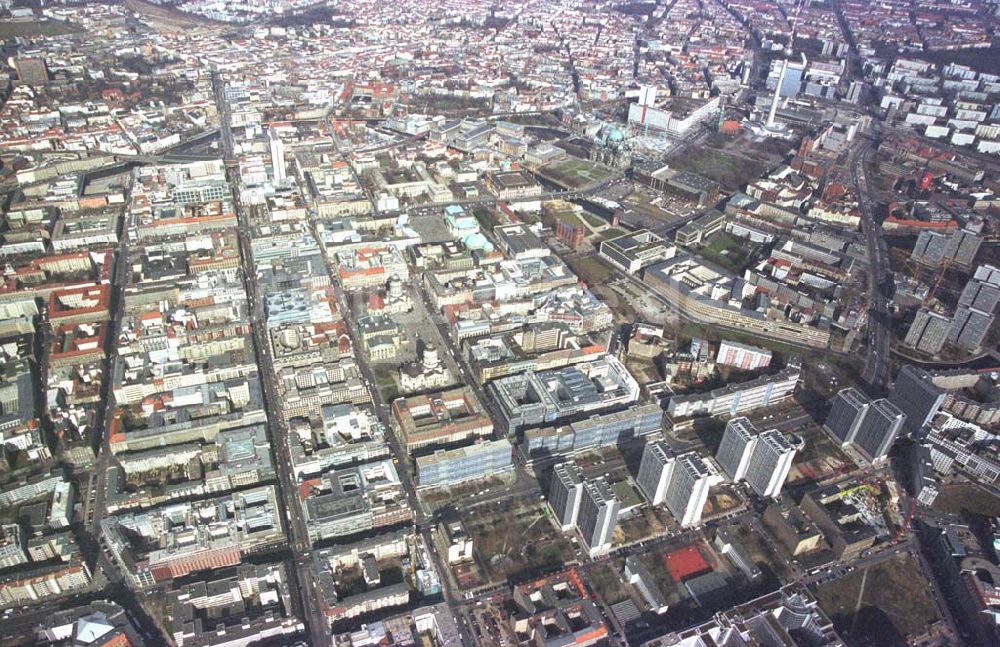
x=721, y=501
x=36, y=28
x=444, y=103
x=574, y=173
x=591, y=269
x=726, y=251
x=385, y=381
x=894, y=603
x=592, y=220
x=573, y=219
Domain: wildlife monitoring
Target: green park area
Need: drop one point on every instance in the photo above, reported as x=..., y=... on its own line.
x=13, y=29
x=726, y=251
x=516, y=541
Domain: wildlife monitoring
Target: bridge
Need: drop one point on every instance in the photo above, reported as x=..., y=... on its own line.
x=171, y=155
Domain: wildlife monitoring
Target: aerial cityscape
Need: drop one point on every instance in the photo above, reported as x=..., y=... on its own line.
x=486, y=323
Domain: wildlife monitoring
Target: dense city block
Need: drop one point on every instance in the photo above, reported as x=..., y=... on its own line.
x=485, y=323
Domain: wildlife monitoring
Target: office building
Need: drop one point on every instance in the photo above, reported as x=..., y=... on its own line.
x=173, y=541
x=520, y=243
x=982, y=292
x=786, y=74
x=688, y=489
x=571, y=231
x=632, y=252
x=928, y=332
x=963, y=246
x=353, y=500
x=594, y=432
x=484, y=459
x=878, y=430
x=246, y=605
x=770, y=463
x=763, y=460
x=533, y=399
x=598, y=516
x=12, y=545
x=846, y=412
x=916, y=395
x=831, y=510
x=655, y=471
x=795, y=532
x=736, y=447
x=926, y=485
x=440, y=418
x=976, y=307
x=969, y=327
x=638, y=575
x=958, y=247
x=790, y=617
x=869, y=426
x=649, y=117
x=565, y=493
x=980, y=295
x=705, y=295
x=512, y=185
x=727, y=543
x=697, y=232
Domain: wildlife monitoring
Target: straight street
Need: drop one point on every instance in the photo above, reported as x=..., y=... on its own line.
x=423, y=526
x=301, y=573
x=876, y=372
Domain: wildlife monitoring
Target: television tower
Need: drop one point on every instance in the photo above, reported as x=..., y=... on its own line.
x=784, y=68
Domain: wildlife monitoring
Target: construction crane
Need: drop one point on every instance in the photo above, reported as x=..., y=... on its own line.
x=945, y=265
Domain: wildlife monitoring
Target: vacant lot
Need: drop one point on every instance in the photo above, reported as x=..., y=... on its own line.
x=731, y=163
x=819, y=459
x=894, y=603
x=169, y=18
x=729, y=171
x=642, y=525
x=657, y=208
x=966, y=497
x=607, y=582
